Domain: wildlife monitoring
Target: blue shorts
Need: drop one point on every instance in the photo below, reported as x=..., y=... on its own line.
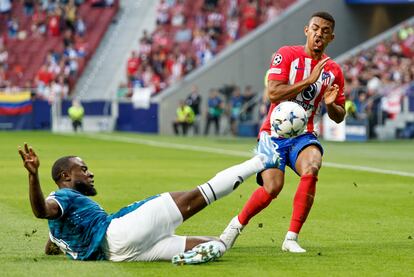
x=289, y=150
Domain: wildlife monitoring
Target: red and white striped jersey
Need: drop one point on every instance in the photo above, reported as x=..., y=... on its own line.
x=291, y=64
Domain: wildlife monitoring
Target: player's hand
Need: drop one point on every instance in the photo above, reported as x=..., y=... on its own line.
x=30, y=160
x=316, y=72
x=330, y=94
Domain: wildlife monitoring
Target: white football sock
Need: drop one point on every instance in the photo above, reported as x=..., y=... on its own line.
x=229, y=179
x=291, y=235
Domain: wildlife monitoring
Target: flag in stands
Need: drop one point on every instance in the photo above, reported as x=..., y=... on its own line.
x=15, y=103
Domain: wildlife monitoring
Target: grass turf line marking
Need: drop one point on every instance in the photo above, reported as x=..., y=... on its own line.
x=234, y=153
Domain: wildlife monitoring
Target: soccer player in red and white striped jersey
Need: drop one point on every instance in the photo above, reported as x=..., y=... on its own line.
x=306, y=75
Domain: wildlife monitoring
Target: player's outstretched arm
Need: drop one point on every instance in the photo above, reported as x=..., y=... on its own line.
x=40, y=207
x=279, y=91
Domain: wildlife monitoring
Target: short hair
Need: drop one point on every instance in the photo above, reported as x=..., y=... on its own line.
x=325, y=15
x=61, y=164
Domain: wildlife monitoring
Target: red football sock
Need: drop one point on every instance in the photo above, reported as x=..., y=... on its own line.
x=259, y=200
x=302, y=202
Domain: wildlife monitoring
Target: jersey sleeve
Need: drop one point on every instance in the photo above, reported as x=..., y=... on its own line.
x=280, y=65
x=63, y=198
x=339, y=80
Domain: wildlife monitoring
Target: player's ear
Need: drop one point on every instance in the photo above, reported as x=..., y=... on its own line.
x=64, y=176
x=305, y=30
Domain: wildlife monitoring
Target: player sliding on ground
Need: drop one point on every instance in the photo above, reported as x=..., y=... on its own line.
x=142, y=231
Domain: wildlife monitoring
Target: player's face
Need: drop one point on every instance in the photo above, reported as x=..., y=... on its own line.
x=82, y=178
x=319, y=34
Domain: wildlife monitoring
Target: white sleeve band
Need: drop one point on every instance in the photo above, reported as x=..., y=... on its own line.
x=52, y=197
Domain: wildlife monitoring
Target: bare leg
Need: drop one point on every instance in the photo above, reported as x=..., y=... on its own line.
x=192, y=242
x=189, y=202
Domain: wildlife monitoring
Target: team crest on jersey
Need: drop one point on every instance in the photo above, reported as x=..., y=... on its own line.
x=309, y=92
x=277, y=59
x=326, y=78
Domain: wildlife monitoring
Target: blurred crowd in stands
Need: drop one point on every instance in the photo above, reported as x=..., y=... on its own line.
x=53, y=31
x=378, y=78
x=188, y=34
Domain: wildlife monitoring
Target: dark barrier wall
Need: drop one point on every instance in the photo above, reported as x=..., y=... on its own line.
x=137, y=120
x=91, y=108
x=129, y=119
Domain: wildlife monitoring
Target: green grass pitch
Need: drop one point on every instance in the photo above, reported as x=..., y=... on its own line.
x=362, y=223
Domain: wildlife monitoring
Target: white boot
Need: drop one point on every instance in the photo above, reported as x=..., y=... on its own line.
x=290, y=244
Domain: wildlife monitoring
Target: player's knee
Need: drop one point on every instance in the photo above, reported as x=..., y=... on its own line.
x=311, y=169
x=273, y=188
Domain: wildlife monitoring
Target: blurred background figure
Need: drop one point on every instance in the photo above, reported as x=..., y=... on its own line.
x=194, y=101
x=214, y=111
x=235, y=106
x=76, y=113
x=185, y=118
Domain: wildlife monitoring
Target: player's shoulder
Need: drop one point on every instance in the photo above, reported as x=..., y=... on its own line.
x=333, y=64
x=286, y=53
x=291, y=49
x=67, y=192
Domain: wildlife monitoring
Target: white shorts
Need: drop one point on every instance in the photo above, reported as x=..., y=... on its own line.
x=146, y=234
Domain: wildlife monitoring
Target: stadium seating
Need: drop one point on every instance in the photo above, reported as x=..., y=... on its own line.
x=28, y=51
x=191, y=32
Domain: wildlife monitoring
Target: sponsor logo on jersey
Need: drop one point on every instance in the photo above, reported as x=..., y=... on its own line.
x=309, y=92
x=277, y=59
x=306, y=106
x=275, y=71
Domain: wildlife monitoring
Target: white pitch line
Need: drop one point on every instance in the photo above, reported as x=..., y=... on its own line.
x=234, y=153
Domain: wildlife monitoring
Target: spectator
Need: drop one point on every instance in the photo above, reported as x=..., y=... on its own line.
x=183, y=34
x=12, y=27
x=28, y=7
x=59, y=88
x=194, y=101
x=250, y=15
x=272, y=10
x=54, y=23
x=4, y=56
x=189, y=63
x=132, y=66
x=232, y=27
x=39, y=21
x=214, y=111
x=162, y=13
x=5, y=7
x=43, y=78
x=184, y=119
x=70, y=15
x=248, y=103
x=80, y=27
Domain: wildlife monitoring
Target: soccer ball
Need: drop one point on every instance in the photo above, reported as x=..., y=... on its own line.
x=288, y=119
